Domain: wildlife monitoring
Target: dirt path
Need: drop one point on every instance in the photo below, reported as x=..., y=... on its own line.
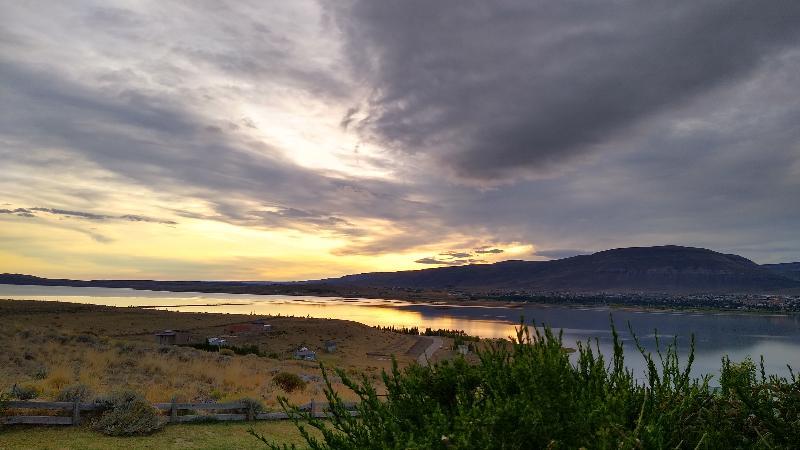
x=435, y=345
x=419, y=346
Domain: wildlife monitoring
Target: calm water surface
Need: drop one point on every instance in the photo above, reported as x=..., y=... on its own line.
x=738, y=335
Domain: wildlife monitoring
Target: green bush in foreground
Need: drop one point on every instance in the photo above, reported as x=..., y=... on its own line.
x=528, y=395
x=127, y=413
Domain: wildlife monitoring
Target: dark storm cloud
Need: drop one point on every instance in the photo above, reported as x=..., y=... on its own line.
x=514, y=87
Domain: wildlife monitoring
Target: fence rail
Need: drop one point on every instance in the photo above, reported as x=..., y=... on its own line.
x=242, y=411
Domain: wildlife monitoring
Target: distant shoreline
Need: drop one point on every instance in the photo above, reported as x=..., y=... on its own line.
x=554, y=301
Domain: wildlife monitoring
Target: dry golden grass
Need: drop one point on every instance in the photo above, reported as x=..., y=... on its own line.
x=51, y=345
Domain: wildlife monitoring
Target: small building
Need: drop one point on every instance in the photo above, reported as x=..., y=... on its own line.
x=305, y=354
x=173, y=337
x=330, y=346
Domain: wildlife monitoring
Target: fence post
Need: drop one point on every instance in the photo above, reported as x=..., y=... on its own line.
x=251, y=413
x=76, y=412
x=173, y=411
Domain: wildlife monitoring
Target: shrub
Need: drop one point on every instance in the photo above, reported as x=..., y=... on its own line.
x=124, y=347
x=74, y=393
x=529, y=394
x=226, y=352
x=24, y=391
x=41, y=373
x=252, y=404
x=289, y=382
x=86, y=338
x=216, y=394
x=127, y=413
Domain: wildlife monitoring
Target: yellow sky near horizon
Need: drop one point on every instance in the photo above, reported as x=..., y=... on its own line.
x=70, y=247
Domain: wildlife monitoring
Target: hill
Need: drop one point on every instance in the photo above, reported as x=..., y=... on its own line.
x=789, y=270
x=669, y=268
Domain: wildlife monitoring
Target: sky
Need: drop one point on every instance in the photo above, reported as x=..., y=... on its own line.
x=285, y=140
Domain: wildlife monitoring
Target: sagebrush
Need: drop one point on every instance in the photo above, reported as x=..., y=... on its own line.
x=289, y=382
x=127, y=413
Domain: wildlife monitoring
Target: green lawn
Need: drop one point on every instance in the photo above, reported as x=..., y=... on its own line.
x=195, y=436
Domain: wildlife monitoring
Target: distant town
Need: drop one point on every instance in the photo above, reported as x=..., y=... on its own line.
x=736, y=302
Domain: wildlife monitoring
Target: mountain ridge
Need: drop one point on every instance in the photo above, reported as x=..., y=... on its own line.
x=668, y=268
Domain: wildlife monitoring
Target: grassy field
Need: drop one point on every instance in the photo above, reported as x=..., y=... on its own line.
x=189, y=436
x=51, y=345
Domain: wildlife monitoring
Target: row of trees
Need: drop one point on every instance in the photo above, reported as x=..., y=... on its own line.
x=443, y=332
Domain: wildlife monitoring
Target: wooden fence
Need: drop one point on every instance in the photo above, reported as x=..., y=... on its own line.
x=234, y=411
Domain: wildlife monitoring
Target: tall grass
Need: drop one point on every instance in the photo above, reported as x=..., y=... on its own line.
x=44, y=364
x=527, y=394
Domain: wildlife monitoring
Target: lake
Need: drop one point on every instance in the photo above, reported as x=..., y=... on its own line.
x=738, y=335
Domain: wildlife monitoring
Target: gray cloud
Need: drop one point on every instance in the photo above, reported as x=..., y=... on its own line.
x=455, y=254
x=150, y=142
x=138, y=218
x=349, y=117
x=78, y=214
x=429, y=260
x=448, y=262
x=488, y=250
x=30, y=212
x=515, y=87
x=21, y=212
x=303, y=219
